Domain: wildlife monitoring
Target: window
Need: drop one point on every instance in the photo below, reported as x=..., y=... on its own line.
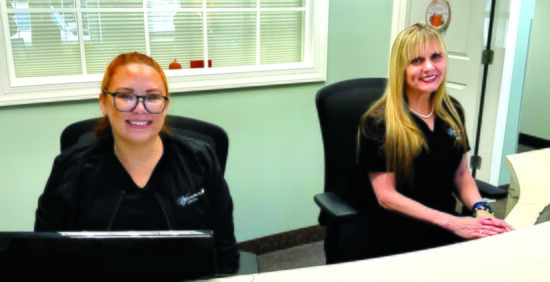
x=53, y=50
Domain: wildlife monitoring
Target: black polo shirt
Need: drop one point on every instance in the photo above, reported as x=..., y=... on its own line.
x=434, y=168
x=90, y=190
x=138, y=208
x=433, y=184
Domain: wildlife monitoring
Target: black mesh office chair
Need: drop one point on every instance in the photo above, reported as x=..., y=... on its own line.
x=215, y=136
x=340, y=107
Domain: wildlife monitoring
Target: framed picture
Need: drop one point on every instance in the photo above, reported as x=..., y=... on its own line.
x=438, y=14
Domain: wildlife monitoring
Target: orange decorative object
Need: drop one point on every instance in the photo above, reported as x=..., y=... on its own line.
x=174, y=65
x=436, y=20
x=438, y=14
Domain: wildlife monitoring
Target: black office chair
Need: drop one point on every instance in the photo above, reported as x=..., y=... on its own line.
x=340, y=107
x=215, y=136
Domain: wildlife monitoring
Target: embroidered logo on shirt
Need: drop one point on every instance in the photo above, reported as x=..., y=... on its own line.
x=189, y=199
x=454, y=134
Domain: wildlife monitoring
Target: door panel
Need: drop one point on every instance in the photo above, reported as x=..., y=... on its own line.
x=469, y=24
x=465, y=42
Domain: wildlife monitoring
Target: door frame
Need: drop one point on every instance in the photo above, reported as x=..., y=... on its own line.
x=513, y=73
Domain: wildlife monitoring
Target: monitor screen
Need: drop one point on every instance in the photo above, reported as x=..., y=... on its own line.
x=166, y=255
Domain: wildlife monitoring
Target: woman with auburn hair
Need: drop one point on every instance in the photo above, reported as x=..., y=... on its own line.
x=104, y=127
x=136, y=175
x=413, y=146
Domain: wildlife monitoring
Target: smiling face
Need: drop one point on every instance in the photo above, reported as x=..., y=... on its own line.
x=425, y=72
x=137, y=126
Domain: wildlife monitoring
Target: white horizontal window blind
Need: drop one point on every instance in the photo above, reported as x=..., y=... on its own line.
x=51, y=43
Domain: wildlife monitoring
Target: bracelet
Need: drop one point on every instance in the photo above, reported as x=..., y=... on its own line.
x=482, y=206
x=483, y=213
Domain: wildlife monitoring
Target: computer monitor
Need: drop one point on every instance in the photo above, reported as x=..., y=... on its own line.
x=165, y=255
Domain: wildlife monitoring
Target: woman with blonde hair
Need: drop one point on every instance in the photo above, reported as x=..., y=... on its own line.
x=413, y=145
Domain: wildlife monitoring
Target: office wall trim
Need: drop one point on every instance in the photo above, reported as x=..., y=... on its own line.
x=285, y=240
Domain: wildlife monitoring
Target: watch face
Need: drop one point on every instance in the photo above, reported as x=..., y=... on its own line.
x=438, y=14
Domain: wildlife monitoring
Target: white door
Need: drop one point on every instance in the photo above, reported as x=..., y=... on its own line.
x=465, y=42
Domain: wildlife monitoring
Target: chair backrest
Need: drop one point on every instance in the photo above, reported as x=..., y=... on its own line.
x=340, y=107
x=215, y=136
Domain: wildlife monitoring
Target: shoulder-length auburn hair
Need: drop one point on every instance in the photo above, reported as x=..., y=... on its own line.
x=404, y=140
x=104, y=126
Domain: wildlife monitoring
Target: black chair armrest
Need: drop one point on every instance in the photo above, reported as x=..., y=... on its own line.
x=490, y=191
x=334, y=206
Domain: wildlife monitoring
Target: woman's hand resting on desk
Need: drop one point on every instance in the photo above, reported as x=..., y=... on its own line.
x=480, y=227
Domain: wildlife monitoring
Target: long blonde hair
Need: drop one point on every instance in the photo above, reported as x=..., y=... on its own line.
x=404, y=140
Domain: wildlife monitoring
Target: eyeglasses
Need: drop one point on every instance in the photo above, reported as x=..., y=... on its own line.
x=127, y=102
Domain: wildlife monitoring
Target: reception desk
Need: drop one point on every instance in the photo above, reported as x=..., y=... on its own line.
x=530, y=185
x=522, y=255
